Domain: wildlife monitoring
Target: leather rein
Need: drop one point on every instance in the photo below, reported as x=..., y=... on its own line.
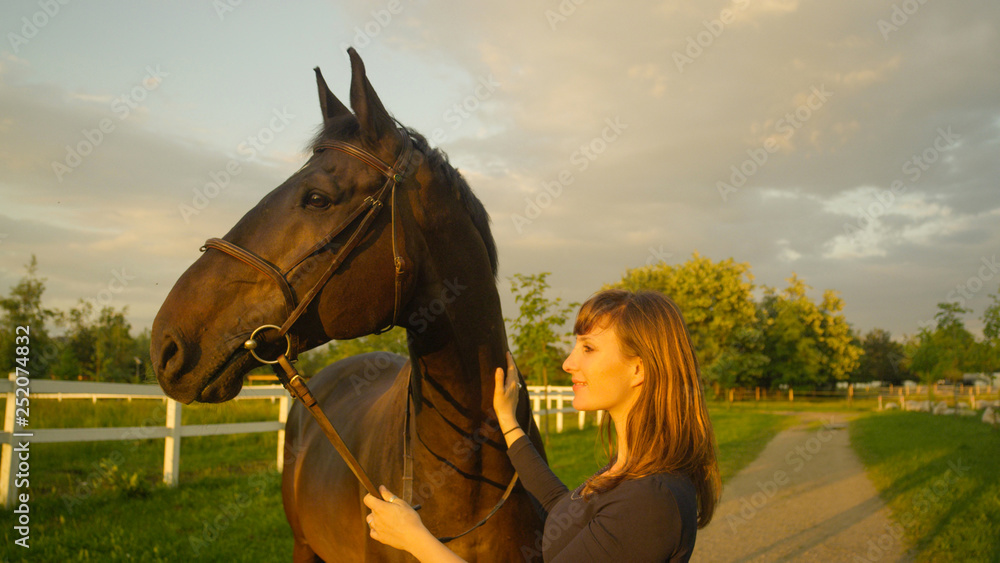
x=290, y=379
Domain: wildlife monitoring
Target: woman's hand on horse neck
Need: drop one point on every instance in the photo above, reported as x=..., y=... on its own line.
x=506, y=392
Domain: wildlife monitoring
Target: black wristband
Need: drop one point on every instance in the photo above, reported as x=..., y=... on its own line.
x=511, y=430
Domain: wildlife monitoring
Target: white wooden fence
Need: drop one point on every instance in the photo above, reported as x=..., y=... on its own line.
x=559, y=395
x=172, y=431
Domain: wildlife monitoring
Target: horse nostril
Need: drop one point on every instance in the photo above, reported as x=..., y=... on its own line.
x=170, y=359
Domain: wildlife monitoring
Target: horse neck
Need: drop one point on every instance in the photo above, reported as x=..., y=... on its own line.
x=456, y=340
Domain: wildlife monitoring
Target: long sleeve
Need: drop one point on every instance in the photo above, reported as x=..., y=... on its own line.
x=642, y=527
x=538, y=479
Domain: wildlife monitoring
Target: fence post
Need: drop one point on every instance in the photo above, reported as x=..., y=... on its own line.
x=559, y=413
x=600, y=416
x=880, y=401
x=8, y=492
x=536, y=405
x=791, y=395
x=284, y=405
x=581, y=419
x=172, y=444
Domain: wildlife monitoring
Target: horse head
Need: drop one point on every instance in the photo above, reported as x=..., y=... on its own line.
x=337, y=248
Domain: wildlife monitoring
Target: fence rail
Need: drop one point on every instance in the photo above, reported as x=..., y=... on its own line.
x=172, y=431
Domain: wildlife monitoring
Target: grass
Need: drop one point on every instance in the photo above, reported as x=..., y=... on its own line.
x=103, y=501
x=939, y=476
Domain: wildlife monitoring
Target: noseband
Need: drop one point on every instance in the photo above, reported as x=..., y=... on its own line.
x=368, y=210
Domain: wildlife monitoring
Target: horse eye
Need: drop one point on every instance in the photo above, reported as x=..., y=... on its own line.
x=317, y=201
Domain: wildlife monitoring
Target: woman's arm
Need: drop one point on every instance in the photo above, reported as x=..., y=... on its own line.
x=395, y=524
x=538, y=479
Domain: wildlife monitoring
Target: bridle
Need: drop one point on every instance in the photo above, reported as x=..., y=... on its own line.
x=368, y=210
x=292, y=381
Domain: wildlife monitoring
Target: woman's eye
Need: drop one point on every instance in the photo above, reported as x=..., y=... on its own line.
x=317, y=201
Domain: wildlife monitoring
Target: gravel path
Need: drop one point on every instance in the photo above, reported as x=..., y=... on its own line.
x=806, y=498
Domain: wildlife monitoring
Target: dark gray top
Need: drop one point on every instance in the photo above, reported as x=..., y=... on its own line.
x=654, y=518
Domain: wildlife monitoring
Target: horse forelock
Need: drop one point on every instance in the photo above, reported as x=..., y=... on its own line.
x=442, y=169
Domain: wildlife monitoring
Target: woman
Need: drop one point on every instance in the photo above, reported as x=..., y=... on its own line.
x=632, y=358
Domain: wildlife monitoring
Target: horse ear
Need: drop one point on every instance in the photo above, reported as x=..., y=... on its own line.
x=331, y=106
x=375, y=121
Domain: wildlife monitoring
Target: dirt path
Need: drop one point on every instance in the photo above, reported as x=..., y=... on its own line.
x=806, y=498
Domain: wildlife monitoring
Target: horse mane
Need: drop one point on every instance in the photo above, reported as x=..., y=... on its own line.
x=441, y=168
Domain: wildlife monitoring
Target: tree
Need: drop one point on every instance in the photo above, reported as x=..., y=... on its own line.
x=742, y=361
x=881, y=359
x=99, y=345
x=717, y=302
x=947, y=350
x=311, y=362
x=840, y=352
x=808, y=344
x=990, y=349
x=23, y=308
x=536, y=334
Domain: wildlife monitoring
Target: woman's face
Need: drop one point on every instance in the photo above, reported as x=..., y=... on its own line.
x=603, y=377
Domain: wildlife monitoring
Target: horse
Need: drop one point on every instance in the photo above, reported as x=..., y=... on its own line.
x=427, y=263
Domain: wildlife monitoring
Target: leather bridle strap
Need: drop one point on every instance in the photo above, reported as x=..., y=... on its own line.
x=367, y=212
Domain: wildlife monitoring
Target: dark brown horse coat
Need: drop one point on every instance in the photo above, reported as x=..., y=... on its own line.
x=448, y=304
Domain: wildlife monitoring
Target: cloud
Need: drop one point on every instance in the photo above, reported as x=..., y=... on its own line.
x=700, y=100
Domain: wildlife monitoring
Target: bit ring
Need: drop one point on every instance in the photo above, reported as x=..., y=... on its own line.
x=252, y=344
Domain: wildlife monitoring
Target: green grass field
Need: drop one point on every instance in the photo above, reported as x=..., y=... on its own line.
x=940, y=476
x=102, y=501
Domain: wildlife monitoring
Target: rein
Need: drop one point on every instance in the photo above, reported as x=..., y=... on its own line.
x=290, y=379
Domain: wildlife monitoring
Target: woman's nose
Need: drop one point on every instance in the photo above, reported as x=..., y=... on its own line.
x=568, y=363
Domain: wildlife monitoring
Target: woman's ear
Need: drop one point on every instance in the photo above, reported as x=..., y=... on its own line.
x=638, y=373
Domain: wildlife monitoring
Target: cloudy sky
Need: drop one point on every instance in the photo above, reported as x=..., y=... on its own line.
x=854, y=143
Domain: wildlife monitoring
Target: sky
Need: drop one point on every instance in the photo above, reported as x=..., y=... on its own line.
x=854, y=143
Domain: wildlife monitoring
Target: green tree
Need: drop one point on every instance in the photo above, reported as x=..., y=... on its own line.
x=23, y=308
x=990, y=349
x=881, y=359
x=717, y=302
x=311, y=362
x=808, y=345
x=536, y=333
x=536, y=330
x=742, y=362
x=947, y=350
x=98, y=345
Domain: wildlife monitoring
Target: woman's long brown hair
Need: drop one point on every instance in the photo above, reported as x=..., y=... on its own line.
x=667, y=428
